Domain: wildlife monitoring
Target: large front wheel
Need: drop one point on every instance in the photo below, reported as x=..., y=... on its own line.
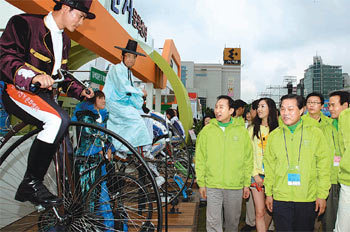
x=125, y=197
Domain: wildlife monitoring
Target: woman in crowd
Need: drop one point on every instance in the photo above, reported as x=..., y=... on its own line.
x=265, y=122
x=206, y=120
x=248, y=119
x=90, y=153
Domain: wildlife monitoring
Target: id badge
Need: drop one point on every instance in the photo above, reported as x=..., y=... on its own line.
x=336, y=160
x=294, y=176
x=263, y=168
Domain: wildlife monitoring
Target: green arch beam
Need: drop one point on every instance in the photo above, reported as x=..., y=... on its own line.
x=78, y=56
x=180, y=91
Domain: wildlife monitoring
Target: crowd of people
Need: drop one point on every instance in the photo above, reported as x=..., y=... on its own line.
x=291, y=165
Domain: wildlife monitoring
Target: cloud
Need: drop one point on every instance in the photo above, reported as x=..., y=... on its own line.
x=249, y=90
x=277, y=37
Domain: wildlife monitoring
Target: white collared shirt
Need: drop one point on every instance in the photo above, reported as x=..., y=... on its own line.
x=57, y=41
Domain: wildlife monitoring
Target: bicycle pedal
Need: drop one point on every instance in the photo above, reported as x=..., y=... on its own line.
x=40, y=208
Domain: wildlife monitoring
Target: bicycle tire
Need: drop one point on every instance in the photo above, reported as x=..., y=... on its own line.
x=12, y=131
x=124, y=193
x=15, y=216
x=27, y=217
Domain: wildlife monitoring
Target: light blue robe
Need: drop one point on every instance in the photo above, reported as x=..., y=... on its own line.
x=124, y=117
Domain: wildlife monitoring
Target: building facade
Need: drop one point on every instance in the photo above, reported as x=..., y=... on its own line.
x=300, y=87
x=211, y=80
x=346, y=80
x=322, y=78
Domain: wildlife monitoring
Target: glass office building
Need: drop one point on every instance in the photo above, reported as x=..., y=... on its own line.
x=322, y=78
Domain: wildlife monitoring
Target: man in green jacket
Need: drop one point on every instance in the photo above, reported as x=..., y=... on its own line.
x=297, y=169
x=224, y=163
x=314, y=104
x=239, y=108
x=338, y=107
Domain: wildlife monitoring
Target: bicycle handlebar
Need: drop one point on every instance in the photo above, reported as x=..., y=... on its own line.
x=61, y=74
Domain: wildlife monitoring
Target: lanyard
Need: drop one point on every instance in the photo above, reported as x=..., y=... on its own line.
x=334, y=144
x=262, y=144
x=285, y=144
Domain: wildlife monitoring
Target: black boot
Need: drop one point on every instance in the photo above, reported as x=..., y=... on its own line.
x=32, y=188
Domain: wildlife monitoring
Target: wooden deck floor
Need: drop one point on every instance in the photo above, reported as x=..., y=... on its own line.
x=186, y=221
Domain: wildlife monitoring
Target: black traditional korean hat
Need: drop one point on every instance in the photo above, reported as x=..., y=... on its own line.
x=130, y=48
x=82, y=5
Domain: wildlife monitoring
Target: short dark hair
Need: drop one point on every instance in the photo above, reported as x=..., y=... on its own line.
x=124, y=52
x=170, y=112
x=315, y=94
x=97, y=94
x=58, y=6
x=343, y=95
x=239, y=103
x=231, y=103
x=300, y=99
x=255, y=104
x=207, y=116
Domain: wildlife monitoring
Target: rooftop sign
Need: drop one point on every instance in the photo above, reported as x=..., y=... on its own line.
x=232, y=56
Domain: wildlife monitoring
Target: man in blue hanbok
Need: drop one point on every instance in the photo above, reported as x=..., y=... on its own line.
x=124, y=101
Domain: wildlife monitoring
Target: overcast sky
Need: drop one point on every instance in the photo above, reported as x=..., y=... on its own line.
x=277, y=37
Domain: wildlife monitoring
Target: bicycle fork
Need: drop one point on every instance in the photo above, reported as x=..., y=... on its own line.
x=41, y=208
x=60, y=219
x=57, y=225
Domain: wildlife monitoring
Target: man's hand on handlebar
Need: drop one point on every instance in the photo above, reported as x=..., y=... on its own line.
x=87, y=94
x=144, y=92
x=45, y=81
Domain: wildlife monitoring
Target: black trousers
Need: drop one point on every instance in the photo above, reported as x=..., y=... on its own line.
x=294, y=216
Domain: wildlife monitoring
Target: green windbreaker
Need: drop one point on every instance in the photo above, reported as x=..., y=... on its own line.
x=331, y=135
x=224, y=159
x=344, y=137
x=314, y=164
x=240, y=120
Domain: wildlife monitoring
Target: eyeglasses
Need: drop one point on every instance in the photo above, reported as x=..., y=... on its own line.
x=313, y=103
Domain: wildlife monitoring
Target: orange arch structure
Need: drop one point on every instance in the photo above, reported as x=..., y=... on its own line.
x=170, y=53
x=97, y=36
